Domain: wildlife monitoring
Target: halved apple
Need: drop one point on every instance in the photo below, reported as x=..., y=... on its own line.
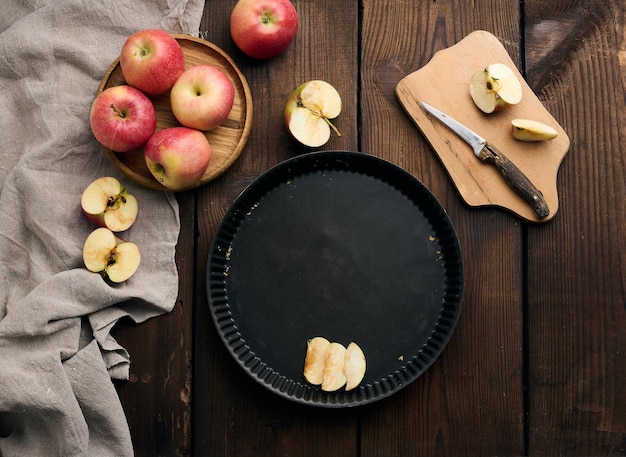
x=495, y=87
x=354, y=366
x=530, y=130
x=109, y=255
x=308, y=112
x=107, y=203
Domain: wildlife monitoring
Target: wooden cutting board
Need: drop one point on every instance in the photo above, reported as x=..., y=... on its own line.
x=444, y=84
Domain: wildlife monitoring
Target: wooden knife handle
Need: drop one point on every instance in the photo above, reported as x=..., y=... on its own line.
x=516, y=179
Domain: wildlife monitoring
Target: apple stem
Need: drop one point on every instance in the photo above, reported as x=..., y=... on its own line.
x=332, y=126
x=120, y=113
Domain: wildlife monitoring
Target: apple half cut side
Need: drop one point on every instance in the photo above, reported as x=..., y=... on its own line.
x=495, y=88
x=107, y=254
x=530, y=130
x=309, y=110
x=107, y=203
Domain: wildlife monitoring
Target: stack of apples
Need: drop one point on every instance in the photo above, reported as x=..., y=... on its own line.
x=123, y=118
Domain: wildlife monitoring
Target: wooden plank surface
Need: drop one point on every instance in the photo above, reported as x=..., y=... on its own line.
x=478, y=379
x=233, y=415
x=537, y=363
x=577, y=282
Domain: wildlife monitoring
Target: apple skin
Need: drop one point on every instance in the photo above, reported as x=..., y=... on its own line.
x=152, y=60
x=122, y=118
x=202, y=97
x=178, y=157
x=262, y=29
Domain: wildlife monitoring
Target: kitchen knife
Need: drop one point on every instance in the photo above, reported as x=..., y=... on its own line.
x=490, y=154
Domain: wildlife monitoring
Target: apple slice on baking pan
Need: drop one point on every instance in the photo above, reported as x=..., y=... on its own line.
x=109, y=255
x=334, y=373
x=332, y=365
x=107, y=203
x=315, y=360
x=354, y=366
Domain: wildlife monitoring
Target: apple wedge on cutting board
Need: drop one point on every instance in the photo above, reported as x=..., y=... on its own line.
x=477, y=183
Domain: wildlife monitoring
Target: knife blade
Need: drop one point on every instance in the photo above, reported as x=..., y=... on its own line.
x=488, y=153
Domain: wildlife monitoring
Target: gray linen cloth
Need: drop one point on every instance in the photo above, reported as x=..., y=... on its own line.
x=57, y=355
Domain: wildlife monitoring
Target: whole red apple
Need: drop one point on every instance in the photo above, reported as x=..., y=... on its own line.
x=202, y=97
x=177, y=157
x=122, y=118
x=262, y=29
x=152, y=60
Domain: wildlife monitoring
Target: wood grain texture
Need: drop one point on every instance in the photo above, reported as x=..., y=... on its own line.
x=157, y=398
x=576, y=304
x=537, y=363
x=235, y=416
x=478, y=379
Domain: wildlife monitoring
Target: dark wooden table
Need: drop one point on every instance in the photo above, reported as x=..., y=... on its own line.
x=537, y=364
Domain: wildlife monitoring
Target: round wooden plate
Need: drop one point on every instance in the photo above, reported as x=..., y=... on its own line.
x=227, y=141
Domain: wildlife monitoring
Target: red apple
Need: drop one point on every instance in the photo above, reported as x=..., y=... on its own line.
x=202, y=97
x=122, y=118
x=152, y=60
x=178, y=157
x=262, y=29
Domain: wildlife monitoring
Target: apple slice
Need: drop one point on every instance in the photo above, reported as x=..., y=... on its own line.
x=529, y=130
x=308, y=112
x=354, y=366
x=315, y=360
x=109, y=255
x=334, y=374
x=495, y=87
x=107, y=203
